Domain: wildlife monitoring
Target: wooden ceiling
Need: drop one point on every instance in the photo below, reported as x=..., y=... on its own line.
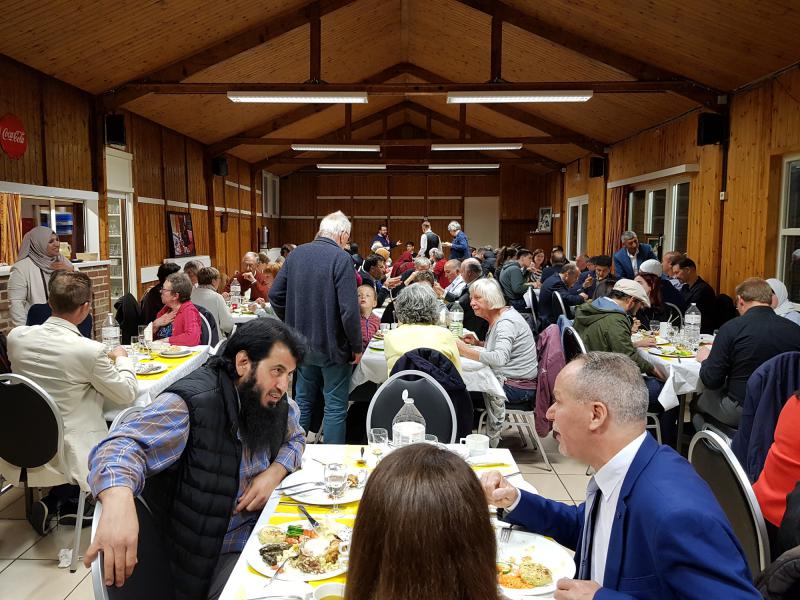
x=704, y=48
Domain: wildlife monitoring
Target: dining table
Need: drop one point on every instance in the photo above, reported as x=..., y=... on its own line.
x=245, y=583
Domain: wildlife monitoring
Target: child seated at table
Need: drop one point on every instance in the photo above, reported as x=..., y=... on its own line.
x=370, y=323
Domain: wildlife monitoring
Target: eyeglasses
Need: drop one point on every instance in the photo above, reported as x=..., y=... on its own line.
x=163, y=289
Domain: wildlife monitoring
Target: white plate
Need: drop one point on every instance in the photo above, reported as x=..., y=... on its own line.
x=660, y=351
x=376, y=344
x=660, y=341
x=178, y=354
x=542, y=550
x=151, y=368
x=319, y=496
x=290, y=573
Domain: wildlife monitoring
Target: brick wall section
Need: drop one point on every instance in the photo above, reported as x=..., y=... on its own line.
x=100, y=307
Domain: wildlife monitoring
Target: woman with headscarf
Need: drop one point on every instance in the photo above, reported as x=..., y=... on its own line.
x=38, y=258
x=780, y=301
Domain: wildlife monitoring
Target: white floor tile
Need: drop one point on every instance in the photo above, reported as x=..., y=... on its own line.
x=576, y=485
x=61, y=537
x=38, y=580
x=4, y=564
x=10, y=497
x=16, y=510
x=84, y=591
x=548, y=485
x=15, y=538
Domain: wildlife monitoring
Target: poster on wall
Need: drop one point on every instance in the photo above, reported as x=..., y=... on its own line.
x=13, y=139
x=545, y=217
x=180, y=234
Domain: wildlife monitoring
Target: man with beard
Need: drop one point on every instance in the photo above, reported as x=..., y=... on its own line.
x=205, y=457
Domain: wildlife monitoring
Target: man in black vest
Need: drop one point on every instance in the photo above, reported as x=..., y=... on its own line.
x=428, y=240
x=206, y=489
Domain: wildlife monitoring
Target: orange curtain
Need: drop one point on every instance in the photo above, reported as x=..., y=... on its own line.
x=618, y=219
x=10, y=226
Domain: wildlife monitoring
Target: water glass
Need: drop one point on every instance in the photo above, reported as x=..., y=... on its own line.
x=140, y=331
x=655, y=327
x=335, y=478
x=378, y=439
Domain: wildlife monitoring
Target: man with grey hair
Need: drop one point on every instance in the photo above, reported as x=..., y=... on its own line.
x=459, y=247
x=626, y=541
x=471, y=271
x=322, y=270
x=249, y=277
x=630, y=257
x=559, y=284
x=452, y=269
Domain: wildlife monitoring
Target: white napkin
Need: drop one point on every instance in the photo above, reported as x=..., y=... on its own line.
x=148, y=333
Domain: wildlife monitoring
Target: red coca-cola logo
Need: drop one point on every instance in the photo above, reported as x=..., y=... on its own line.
x=13, y=138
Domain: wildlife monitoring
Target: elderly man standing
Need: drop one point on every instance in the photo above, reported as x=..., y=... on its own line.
x=626, y=541
x=459, y=247
x=250, y=277
x=630, y=257
x=78, y=373
x=322, y=270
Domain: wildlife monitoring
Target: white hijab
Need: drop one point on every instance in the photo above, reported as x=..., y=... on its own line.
x=784, y=305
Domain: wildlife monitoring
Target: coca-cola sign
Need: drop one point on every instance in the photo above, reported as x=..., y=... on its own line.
x=13, y=137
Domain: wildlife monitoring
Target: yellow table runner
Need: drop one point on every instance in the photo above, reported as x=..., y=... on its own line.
x=171, y=364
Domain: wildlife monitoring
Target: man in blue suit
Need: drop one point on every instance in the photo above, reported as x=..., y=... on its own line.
x=632, y=253
x=650, y=528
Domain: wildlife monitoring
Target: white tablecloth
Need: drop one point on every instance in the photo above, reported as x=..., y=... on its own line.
x=477, y=377
x=244, y=583
x=683, y=377
x=150, y=388
x=240, y=318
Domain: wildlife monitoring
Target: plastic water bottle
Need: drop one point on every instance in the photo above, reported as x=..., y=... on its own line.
x=456, y=320
x=236, y=294
x=692, y=321
x=408, y=425
x=110, y=333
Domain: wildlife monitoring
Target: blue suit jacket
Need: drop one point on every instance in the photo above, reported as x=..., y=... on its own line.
x=670, y=538
x=622, y=264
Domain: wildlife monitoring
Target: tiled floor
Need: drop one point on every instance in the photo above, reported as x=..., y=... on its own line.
x=28, y=562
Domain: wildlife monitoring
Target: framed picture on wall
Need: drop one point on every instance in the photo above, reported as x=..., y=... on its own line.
x=180, y=234
x=545, y=217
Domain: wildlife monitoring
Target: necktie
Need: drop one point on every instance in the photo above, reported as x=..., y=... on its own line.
x=593, y=497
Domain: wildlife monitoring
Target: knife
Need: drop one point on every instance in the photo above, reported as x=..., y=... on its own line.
x=314, y=523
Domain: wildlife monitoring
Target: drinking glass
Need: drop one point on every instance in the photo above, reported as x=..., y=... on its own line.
x=140, y=331
x=654, y=327
x=335, y=482
x=135, y=346
x=378, y=439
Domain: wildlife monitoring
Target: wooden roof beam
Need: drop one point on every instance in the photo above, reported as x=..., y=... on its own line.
x=225, y=49
x=351, y=160
x=702, y=94
x=423, y=141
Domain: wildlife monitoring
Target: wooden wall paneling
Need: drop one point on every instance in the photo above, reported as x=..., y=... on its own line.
x=408, y=185
x=445, y=185
x=246, y=241
x=407, y=196
x=21, y=96
x=68, y=152
x=243, y=172
x=370, y=185
x=200, y=228
x=218, y=258
x=363, y=232
x=554, y=198
x=151, y=235
x=231, y=196
x=335, y=185
x=482, y=185
x=297, y=231
x=218, y=186
x=405, y=230
x=196, y=192
x=364, y=207
x=233, y=254
x=298, y=195
x=596, y=228
x=444, y=206
x=145, y=145
x=174, y=160
x=326, y=205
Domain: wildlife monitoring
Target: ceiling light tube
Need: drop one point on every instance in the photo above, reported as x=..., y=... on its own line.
x=523, y=96
x=335, y=148
x=299, y=97
x=476, y=146
x=351, y=166
x=464, y=166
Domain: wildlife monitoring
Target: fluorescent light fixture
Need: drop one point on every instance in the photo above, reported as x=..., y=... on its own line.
x=299, y=97
x=463, y=166
x=352, y=166
x=335, y=148
x=476, y=146
x=523, y=96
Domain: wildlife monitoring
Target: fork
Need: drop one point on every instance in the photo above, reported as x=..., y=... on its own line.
x=505, y=534
x=278, y=569
x=301, y=484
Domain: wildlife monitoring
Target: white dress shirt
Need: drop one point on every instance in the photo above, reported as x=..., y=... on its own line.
x=456, y=287
x=423, y=246
x=609, y=479
x=633, y=263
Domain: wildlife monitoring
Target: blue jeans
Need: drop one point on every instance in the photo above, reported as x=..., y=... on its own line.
x=320, y=378
x=515, y=395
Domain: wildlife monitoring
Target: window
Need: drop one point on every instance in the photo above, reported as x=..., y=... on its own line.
x=659, y=213
x=789, y=254
x=577, y=225
x=270, y=195
x=65, y=217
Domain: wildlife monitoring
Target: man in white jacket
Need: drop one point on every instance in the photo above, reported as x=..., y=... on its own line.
x=79, y=375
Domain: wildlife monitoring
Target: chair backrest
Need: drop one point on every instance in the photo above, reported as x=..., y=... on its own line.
x=715, y=462
x=125, y=416
x=209, y=332
x=128, y=316
x=31, y=428
x=205, y=330
x=572, y=343
x=558, y=308
x=430, y=399
x=675, y=314
x=151, y=578
x=39, y=313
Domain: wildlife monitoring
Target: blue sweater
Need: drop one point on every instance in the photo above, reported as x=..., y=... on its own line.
x=315, y=292
x=460, y=247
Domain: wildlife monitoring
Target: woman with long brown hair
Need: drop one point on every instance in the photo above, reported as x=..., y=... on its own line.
x=422, y=531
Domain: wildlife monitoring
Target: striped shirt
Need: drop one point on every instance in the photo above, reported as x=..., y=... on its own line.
x=369, y=325
x=156, y=439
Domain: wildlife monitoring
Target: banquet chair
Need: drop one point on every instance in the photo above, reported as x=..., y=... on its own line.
x=557, y=307
x=124, y=416
x=32, y=435
x=39, y=313
x=715, y=462
x=209, y=332
x=675, y=314
x=572, y=343
x=430, y=399
x=151, y=578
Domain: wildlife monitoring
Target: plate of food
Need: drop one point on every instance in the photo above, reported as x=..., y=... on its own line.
x=531, y=564
x=672, y=352
x=660, y=341
x=378, y=335
x=150, y=368
x=306, y=486
x=174, y=351
x=312, y=555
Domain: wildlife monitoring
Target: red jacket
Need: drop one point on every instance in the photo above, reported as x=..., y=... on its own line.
x=186, y=325
x=438, y=271
x=551, y=361
x=260, y=289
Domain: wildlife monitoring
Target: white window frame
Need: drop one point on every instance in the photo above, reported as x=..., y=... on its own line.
x=670, y=207
x=784, y=232
x=270, y=195
x=578, y=201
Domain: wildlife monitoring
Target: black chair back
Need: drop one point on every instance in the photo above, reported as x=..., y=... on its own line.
x=557, y=307
x=715, y=462
x=151, y=578
x=209, y=333
x=430, y=399
x=39, y=313
x=5, y=363
x=31, y=429
x=572, y=343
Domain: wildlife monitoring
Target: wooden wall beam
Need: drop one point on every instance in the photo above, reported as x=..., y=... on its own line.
x=315, y=45
x=496, y=49
x=350, y=160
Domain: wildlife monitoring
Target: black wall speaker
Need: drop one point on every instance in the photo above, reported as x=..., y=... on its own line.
x=219, y=165
x=712, y=128
x=115, y=130
x=597, y=166
x=223, y=223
